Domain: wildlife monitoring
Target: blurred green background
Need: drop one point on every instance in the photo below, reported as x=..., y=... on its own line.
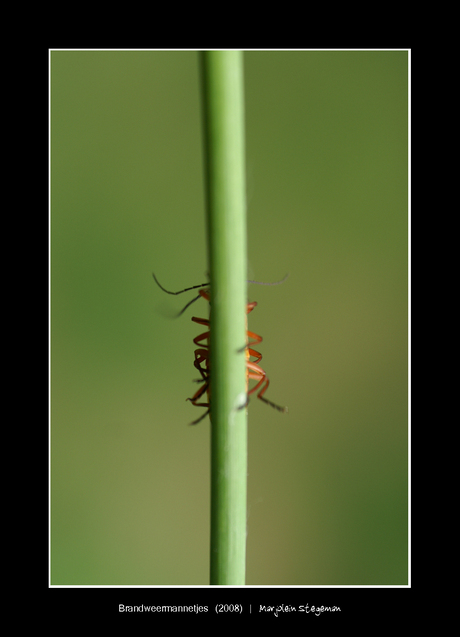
x=327, y=182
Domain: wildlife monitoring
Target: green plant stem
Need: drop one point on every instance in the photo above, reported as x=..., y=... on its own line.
x=223, y=101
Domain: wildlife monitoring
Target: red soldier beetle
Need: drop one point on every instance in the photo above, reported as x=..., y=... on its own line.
x=253, y=370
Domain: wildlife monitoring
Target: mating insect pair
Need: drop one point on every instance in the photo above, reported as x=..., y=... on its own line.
x=253, y=369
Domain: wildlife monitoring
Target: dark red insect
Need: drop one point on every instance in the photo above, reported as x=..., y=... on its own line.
x=253, y=370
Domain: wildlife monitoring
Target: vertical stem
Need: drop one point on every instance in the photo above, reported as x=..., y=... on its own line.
x=223, y=100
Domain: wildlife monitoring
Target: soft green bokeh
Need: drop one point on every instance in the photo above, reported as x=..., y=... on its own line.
x=327, y=202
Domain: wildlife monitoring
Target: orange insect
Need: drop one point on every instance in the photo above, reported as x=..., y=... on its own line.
x=253, y=369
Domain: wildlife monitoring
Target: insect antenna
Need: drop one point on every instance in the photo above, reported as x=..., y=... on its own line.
x=188, y=305
x=194, y=287
x=202, y=285
x=274, y=283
